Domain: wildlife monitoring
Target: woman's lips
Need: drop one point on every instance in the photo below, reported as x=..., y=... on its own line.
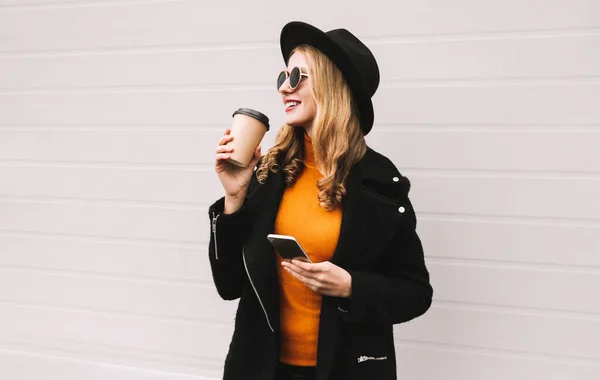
x=292, y=107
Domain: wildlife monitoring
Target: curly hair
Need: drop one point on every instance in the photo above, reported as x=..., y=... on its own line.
x=337, y=140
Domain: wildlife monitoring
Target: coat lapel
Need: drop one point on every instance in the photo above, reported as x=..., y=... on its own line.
x=259, y=253
x=368, y=219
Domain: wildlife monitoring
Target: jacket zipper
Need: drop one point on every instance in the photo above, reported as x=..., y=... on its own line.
x=214, y=228
x=256, y=291
x=365, y=358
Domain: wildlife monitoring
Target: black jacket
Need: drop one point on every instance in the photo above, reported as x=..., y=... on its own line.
x=378, y=246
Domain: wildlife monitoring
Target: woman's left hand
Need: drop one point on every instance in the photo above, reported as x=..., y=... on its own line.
x=324, y=278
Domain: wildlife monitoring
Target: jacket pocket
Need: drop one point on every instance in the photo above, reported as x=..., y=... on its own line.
x=370, y=352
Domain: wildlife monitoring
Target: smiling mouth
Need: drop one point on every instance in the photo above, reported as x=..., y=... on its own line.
x=291, y=105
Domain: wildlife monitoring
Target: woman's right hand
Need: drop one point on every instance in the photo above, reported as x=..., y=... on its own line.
x=235, y=180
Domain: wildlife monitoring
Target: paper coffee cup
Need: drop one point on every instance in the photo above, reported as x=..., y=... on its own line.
x=248, y=129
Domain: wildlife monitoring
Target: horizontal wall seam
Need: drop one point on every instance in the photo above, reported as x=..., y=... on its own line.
x=404, y=38
x=119, y=313
x=439, y=346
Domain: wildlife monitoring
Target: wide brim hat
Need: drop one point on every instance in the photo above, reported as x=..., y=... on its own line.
x=348, y=53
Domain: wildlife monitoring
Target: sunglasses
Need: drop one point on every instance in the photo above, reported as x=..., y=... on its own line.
x=295, y=77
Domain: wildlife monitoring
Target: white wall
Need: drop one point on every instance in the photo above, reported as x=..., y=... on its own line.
x=109, y=114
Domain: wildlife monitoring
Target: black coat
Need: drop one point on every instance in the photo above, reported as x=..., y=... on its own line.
x=378, y=246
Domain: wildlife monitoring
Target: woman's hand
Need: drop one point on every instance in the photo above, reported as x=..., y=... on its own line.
x=324, y=278
x=235, y=180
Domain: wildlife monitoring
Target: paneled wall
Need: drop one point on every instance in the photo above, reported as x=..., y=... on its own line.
x=109, y=115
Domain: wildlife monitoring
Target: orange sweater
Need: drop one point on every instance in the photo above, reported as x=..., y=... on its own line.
x=317, y=230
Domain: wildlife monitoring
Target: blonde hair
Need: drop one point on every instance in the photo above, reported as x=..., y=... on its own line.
x=337, y=140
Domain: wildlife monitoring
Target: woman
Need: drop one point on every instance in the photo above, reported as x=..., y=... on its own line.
x=348, y=207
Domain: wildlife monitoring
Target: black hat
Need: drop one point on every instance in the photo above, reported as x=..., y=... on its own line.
x=348, y=53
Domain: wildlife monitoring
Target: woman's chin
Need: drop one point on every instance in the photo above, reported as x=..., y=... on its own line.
x=296, y=122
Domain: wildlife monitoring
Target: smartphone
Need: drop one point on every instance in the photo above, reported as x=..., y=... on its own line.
x=288, y=247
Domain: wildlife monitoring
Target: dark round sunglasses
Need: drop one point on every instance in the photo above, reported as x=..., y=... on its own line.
x=295, y=77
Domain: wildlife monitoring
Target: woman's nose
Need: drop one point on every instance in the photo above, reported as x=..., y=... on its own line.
x=285, y=87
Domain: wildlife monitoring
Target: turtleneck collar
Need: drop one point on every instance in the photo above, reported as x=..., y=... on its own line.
x=309, y=153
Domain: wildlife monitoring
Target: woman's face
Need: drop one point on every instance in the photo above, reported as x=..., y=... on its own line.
x=299, y=103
